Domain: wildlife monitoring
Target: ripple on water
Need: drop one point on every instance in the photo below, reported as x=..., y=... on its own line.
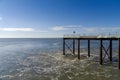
x=59, y=67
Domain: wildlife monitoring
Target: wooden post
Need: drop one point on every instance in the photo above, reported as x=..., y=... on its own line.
x=101, y=51
x=110, y=50
x=73, y=46
x=119, y=53
x=88, y=48
x=78, y=49
x=63, y=46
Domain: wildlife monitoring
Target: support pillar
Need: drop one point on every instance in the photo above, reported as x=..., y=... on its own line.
x=78, y=49
x=119, y=54
x=73, y=46
x=63, y=46
x=88, y=48
x=101, y=51
x=110, y=50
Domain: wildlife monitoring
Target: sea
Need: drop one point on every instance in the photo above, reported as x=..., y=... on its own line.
x=43, y=59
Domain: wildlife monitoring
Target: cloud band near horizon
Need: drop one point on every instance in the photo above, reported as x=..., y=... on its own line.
x=16, y=29
x=81, y=28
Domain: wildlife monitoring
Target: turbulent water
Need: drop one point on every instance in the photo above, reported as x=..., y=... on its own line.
x=42, y=59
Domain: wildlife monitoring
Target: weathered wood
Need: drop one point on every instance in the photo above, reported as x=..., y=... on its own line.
x=63, y=46
x=78, y=49
x=73, y=46
x=110, y=50
x=106, y=52
x=88, y=48
x=101, y=51
x=69, y=47
x=119, y=53
x=82, y=38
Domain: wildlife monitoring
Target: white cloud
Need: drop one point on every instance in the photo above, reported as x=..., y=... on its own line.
x=58, y=28
x=42, y=31
x=16, y=29
x=73, y=26
x=83, y=29
x=1, y=18
x=92, y=29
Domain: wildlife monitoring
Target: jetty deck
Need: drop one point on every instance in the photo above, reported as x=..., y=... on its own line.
x=108, y=51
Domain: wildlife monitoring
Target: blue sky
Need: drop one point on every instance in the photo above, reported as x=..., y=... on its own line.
x=53, y=18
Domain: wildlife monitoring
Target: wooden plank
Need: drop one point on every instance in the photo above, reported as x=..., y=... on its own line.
x=84, y=38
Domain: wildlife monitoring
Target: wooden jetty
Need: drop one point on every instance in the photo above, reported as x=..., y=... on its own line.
x=107, y=51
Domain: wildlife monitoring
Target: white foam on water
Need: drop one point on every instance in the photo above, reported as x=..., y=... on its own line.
x=8, y=76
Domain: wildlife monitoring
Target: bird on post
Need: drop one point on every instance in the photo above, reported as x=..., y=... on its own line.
x=74, y=32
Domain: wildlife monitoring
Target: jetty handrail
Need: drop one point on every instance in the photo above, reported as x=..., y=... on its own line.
x=88, y=36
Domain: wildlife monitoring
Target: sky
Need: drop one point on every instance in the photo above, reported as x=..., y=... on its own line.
x=54, y=18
